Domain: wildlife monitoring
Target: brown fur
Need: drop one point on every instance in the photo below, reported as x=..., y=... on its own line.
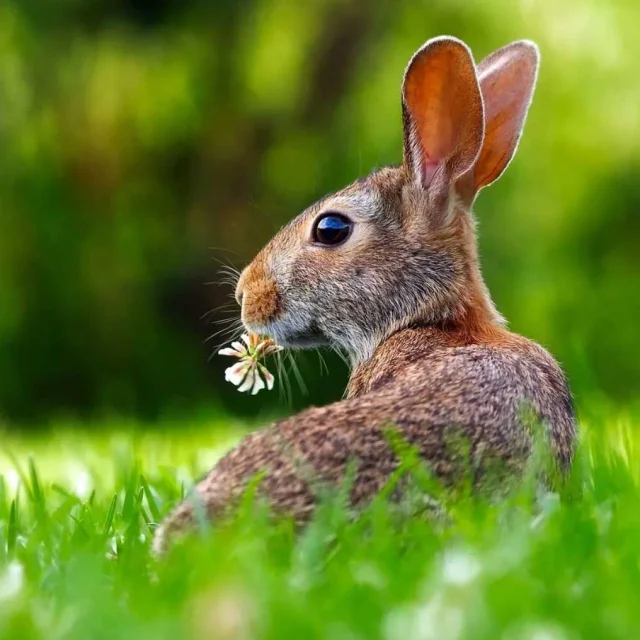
x=260, y=299
x=405, y=298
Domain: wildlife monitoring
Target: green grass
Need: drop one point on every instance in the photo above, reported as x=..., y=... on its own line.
x=77, y=514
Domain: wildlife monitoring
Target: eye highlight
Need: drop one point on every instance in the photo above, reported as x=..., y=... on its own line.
x=331, y=229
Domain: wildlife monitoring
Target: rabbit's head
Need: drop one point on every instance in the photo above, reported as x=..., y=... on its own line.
x=398, y=247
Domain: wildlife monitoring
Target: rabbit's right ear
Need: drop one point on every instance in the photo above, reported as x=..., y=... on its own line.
x=507, y=80
x=443, y=113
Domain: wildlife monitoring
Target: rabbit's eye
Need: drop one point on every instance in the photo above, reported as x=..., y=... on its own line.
x=332, y=229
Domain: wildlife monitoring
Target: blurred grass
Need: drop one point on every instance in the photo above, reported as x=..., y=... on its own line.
x=144, y=142
x=77, y=514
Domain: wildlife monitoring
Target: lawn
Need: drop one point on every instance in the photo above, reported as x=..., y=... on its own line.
x=77, y=513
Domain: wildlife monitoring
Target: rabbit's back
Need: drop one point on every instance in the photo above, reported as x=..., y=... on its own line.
x=488, y=389
x=435, y=395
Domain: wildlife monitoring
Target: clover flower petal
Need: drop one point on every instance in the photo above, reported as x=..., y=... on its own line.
x=238, y=346
x=272, y=349
x=248, y=381
x=268, y=377
x=228, y=351
x=258, y=384
x=249, y=374
x=237, y=372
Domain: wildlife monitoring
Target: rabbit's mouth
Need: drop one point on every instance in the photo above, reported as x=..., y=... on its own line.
x=292, y=335
x=308, y=339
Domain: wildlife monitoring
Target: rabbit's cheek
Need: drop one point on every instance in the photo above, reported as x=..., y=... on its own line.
x=260, y=303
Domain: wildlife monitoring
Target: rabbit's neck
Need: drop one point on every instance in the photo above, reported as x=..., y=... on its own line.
x=415, y=343
x=392, y=356
x=471, y=318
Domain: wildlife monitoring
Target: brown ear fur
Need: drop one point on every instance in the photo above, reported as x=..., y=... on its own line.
x=507, y=80
x=442, y=112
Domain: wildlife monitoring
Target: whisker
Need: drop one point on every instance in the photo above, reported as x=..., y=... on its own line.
x=228, y=271
x=226, y=267
x=227, y=279
x=341, y=354
x=296, y=372
x=228, y=274
x=222, y=249
x=224, y=331
x=228, y=328
x=323, y=362
x=234, y=333
x=286, y=394
x=231, y=320
x=227, y=309
x=223, y=282
x=224, y=263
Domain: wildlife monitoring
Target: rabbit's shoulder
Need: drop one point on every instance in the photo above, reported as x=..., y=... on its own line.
x=428, y=356
x=425, y=374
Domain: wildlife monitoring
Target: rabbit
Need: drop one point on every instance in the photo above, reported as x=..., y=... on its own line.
x=387, y=270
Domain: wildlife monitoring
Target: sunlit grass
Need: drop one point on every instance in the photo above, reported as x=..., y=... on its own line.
x=77, y=513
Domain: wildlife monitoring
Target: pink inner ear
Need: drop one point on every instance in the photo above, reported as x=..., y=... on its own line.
x=429, y=170
x=507, y=79
x=425, y=161
x=444, y=108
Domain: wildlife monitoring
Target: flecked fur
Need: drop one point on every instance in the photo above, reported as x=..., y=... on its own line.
x=405, y=298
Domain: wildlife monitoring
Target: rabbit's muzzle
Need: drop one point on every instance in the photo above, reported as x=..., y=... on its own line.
x=259, y=298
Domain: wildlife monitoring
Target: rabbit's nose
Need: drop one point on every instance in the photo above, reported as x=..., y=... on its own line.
x=242, y=284
x=240, y=291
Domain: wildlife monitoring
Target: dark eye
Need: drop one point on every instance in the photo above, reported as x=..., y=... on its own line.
x=332, y=229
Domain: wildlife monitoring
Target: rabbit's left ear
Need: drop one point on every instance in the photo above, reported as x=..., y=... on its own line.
x=443, y=114
x=507, y=80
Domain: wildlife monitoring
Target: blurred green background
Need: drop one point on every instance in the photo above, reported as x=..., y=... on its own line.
x=144, y=141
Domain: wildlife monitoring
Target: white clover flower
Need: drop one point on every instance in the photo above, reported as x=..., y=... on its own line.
x=536, y=631
x=227, y=612
x=81, y=481
x=432, y=620
x=11, y=581
x=460, y=568
x=249, y=374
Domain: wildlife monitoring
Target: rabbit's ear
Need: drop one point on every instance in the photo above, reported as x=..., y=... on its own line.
x=507, y=80
x=442, y=112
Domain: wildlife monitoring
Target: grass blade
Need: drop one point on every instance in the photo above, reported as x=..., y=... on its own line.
x=12, y=532
x=108, y=521
x=151, y=501
x=37, y=495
